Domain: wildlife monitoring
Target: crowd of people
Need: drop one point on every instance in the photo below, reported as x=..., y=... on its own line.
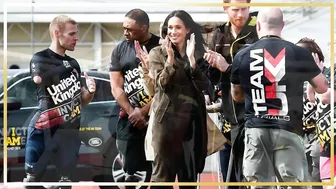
x=274, y=98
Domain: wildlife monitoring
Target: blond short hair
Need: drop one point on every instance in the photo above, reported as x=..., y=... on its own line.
x=58, y=23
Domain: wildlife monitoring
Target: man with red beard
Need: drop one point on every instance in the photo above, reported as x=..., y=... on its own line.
x=227, y=40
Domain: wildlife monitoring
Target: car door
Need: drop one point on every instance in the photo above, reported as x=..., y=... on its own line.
x=98, y=121
x=24, y=91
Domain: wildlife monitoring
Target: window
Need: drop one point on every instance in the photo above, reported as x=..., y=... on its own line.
x=25, y=91
x=103, y=90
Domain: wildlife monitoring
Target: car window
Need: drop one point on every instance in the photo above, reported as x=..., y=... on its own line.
x=103, y=90
x=25, y=91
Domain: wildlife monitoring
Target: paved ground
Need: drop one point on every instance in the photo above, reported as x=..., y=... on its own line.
x=205, y=177
x=209, y=175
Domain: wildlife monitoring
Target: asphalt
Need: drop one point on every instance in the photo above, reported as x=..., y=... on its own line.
x=211, y=172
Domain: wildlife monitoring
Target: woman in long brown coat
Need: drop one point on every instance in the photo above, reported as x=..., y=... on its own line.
x=178, y=106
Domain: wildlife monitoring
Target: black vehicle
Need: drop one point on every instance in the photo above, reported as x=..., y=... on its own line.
x=98, y=157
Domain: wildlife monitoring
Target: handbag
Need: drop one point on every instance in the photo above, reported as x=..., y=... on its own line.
x=216, y=139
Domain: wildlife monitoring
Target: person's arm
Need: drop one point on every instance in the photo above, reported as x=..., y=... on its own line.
x=198, y=65
x=214, y=74
x=214, y=108
x=145, y=75
x=147, y=79
x=237, y=91
x=162, y=71
x=143, y=67
x=145, y=110
x=217, y=61
x=35, y=69
x=310, y=71
x=117, y=83
x=86, y=96
x=310, y=93
x=325, y=98
x=319, y=83
x=206, y=97
x=88, y=93
x=135, y=115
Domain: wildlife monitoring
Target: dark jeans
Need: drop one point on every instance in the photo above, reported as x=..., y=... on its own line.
x=58, y=145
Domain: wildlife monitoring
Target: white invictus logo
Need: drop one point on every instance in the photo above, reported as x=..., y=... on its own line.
x=61, y=92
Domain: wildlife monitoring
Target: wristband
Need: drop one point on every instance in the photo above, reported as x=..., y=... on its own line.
x=228, y=69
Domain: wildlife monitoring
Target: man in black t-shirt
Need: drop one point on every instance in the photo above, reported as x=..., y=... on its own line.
x=53, y=130
x=127, y=89
x=269, y=76
x=227, y=40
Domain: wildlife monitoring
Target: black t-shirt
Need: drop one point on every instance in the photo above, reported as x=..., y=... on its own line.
x=59, y=93
x=124, y=59
x=272, y=72
x=323, y=114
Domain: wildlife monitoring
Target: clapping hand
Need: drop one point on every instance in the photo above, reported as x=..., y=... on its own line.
x=191, y=50
x=142, y=54
x=170, y=51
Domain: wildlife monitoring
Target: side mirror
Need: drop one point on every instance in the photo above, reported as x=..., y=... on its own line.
x=12, y=104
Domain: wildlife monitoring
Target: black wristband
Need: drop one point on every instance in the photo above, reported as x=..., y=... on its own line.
x=228, y=69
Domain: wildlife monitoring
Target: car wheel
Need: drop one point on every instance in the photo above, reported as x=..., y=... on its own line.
x=119, y=174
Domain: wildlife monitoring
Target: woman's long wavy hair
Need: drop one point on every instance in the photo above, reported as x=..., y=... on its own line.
x=190, y=24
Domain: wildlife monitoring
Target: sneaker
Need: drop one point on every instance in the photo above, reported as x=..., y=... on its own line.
x=63, y=179
x=31, y=178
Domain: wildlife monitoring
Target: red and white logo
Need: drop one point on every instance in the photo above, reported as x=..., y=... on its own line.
x=273, y=70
